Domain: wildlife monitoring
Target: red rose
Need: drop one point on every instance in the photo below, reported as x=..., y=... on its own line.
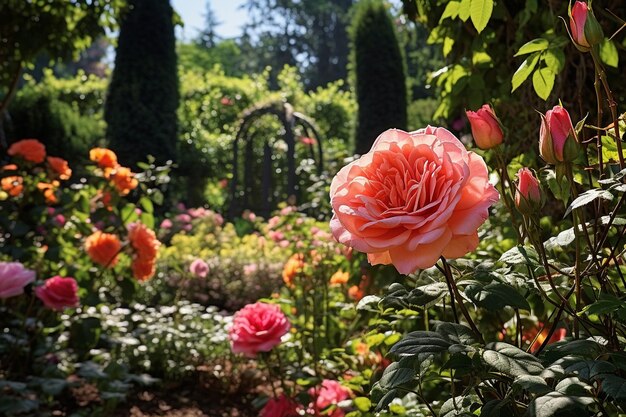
x=58, y=293
x=282, y=406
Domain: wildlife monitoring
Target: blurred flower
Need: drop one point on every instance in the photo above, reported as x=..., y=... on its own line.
x=58, y=293
x=257, y=328
x=13, y=278
x=486, y=127
x=223, y=183
x=248, y=215
x=123, y=179
x=103, y=248
x=166, y=224
x=146, y=246
x=529, y=336
x=48, y=190
x=60, y=167
x=308, y=141
x=225, y=101
x=250, y=269
x=10, y=167
x=14, y=185
x=339, y=278
x=199, y=268
x=29, y=149
x=105, y=158
x=183, y=218
x=59, y=219
x=328, y=397
x=292, y=268
x=282, y=406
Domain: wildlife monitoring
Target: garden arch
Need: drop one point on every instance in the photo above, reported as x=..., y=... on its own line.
x=244, y=158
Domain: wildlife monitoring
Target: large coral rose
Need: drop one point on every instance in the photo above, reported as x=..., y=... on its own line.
x=412, y=198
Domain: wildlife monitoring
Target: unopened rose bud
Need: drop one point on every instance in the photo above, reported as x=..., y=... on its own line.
x=585, y=30
x=557, y=139
x=486, y=127
x=528, y=196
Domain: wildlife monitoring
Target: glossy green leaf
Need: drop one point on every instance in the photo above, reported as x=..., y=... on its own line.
x=608, y=53
x=539, y=44
x=524, y=70
x=480, y=13
x=543, y=82
x=555, y=403
x=510, y=360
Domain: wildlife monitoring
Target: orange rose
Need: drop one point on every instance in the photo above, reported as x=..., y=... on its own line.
x=60, y=167
x=14, y=185
x=29, y=149
x=146, y=246
x=48, y=190
x=105, y=158
x=413, y=198
x=123, y=179
x=339, y=278
x=103, y=248
x=292, y=268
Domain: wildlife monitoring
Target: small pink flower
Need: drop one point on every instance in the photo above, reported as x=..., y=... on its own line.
x=248, y=215
x=199, y=268
x=13, y=278
x=225, y=101
x=166, y=224
x=257, y=328
x=282, y=406
x=308, y=141
x=283, y=243
x=58, y=293
x=276, y=235
x=59, y=219
x=250, y=269
x=183, y=218
x=223, y=183
x=273, y=222
x=330, y=394
x=198, y=212
x=181, y=207
x=287, y=210
x=219, y=220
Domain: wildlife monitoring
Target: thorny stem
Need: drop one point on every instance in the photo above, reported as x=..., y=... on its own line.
x=577, y=265
x=455, y=290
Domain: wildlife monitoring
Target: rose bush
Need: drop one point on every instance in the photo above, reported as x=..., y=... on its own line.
x=413, y=198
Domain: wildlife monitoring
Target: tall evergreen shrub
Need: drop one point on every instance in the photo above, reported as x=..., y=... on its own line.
x=378, y=73
x=143, y=96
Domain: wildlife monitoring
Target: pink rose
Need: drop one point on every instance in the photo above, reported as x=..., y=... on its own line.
x=198, y=212
x=257, y=328
x=557, y=141
x=528, y=195
x=273, y=222
x=219, y=220
x=199, y=268
x=13, y=278
x=183, y=218
x=412, y=198
x=166, y=224
x=486, y=127
x=58, y=293
x=282, y=406
x=59, y=220
x=330, y=394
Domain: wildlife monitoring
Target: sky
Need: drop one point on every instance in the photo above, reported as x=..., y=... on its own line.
x=228, y=13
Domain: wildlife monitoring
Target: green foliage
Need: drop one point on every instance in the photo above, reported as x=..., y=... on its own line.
x=379, y=74
x=143, y=95
x=65, y=114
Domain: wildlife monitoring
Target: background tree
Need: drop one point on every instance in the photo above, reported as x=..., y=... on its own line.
x=143, y=96
x=207, y=36
x=311, y=33
x=379, y=74
x=58, y=27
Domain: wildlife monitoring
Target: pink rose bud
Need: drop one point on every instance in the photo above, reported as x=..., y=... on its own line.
x=585, y=30
x=199, y=268
x=60, y=220
x=257, y=328
x=557, y=139
x=13, y=278
x=486, y=128
x=58, y=293
x=528, y=197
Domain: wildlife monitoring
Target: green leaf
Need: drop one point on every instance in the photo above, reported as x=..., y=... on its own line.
x=581, y=348
x=510, y=360
x=588, y=370
x=146, y=204
x=480, y=12
x=362, y=403
x=495, y=296
x=572, y=386
x=524, y=70
x=539, y=44
x=464, y=10
x=451, y=10
x=448, y=43
x=12, y=405
x=418, y=342
x=455, y=333
x=369, y=302
x=459, y=406
x=520, y=255
x=605, y=305
x=555, y=403
x=587, y=197
x=614, y=386
x=532, y=383
x=554, y=58
x=608, y=53
x=396, y=374
x=543, y=82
